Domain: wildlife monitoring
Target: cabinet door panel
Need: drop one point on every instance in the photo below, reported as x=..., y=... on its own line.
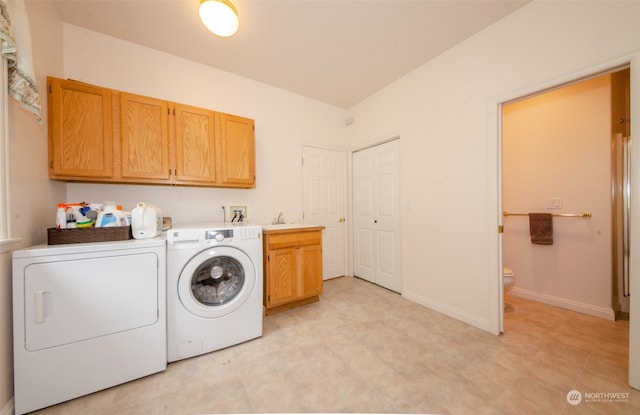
x=237, y=151
x=195, y=145
x=103, y=135
x=310, y=270
x=282, y=276
x=80, y=130
x=144, y=138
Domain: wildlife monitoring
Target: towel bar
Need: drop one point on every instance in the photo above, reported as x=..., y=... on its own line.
x=585, y=214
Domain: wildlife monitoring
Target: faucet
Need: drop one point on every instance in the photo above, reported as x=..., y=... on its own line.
x=279, y=220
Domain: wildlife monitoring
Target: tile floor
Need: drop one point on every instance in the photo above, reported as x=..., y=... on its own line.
x=365, y=349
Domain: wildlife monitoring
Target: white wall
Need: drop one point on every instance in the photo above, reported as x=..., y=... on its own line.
x=558, y=145
x=283, y=122
x=32, y=193
x=446, y=115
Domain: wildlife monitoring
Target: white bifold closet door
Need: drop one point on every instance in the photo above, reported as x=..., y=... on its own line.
x=376, y=214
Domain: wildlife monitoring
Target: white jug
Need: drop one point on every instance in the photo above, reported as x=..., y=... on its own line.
x=146, y=221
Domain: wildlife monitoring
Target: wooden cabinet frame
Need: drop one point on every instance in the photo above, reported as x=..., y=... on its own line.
x=142, y=141
x=101, y=135
x=80, y=130
x=292, y=267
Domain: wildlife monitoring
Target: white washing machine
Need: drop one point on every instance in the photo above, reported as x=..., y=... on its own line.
x=214, y=287
x=86, y=317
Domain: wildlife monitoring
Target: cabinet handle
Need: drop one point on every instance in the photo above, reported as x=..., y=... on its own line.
x=375, y=221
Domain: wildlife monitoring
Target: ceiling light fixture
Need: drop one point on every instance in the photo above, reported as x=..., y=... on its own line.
x=219, y=16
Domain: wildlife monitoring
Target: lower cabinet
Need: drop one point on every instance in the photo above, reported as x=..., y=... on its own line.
x=292, y=267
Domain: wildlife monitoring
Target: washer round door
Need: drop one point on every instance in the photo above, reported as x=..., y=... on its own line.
x=216, y=282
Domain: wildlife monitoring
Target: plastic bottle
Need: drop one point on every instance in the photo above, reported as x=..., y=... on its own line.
x=107, y=217
x=121, y=216
x=111, y=216
x=81, y=220
x=61, y=216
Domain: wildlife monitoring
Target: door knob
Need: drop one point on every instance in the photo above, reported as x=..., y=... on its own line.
x=340, y=220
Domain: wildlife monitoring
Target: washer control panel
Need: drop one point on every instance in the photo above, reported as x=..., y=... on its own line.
x=190, y=237
x=218, y=235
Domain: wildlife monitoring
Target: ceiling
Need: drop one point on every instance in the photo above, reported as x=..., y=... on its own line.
x=335, y=51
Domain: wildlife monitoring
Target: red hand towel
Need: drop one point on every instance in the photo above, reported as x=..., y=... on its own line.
x=541, y=228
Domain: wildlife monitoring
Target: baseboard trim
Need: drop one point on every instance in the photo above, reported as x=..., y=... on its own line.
x=602, y=312
x=452, y=312
x=8, y=409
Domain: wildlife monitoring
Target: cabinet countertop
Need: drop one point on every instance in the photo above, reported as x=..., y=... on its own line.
x=290, y=227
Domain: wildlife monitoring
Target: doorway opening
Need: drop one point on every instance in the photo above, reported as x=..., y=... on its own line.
x=559, y=157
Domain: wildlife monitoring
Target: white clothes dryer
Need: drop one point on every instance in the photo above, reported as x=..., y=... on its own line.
x=86, y=317
x=214, y=287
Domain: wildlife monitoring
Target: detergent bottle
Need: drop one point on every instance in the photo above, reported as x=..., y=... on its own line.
x=111, y=216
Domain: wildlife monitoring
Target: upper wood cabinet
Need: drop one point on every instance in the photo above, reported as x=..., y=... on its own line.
x=101, y=135
x=144, y=152
x=195, y=145
x=80, y=130
x=237, y=143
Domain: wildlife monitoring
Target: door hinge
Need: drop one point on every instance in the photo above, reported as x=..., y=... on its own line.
x=500, y=229
x=303, y=161
x=50, y=164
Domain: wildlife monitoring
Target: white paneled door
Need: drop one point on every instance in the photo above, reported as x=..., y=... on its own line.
x=376, y=215
x=324, y=177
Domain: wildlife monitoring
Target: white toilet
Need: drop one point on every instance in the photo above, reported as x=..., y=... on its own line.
x=509, y=277
x=508, y=281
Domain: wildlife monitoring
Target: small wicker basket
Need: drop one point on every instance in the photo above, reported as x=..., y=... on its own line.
x=84, y=235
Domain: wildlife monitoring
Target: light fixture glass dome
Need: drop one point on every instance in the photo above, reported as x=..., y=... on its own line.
x=219, y=16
